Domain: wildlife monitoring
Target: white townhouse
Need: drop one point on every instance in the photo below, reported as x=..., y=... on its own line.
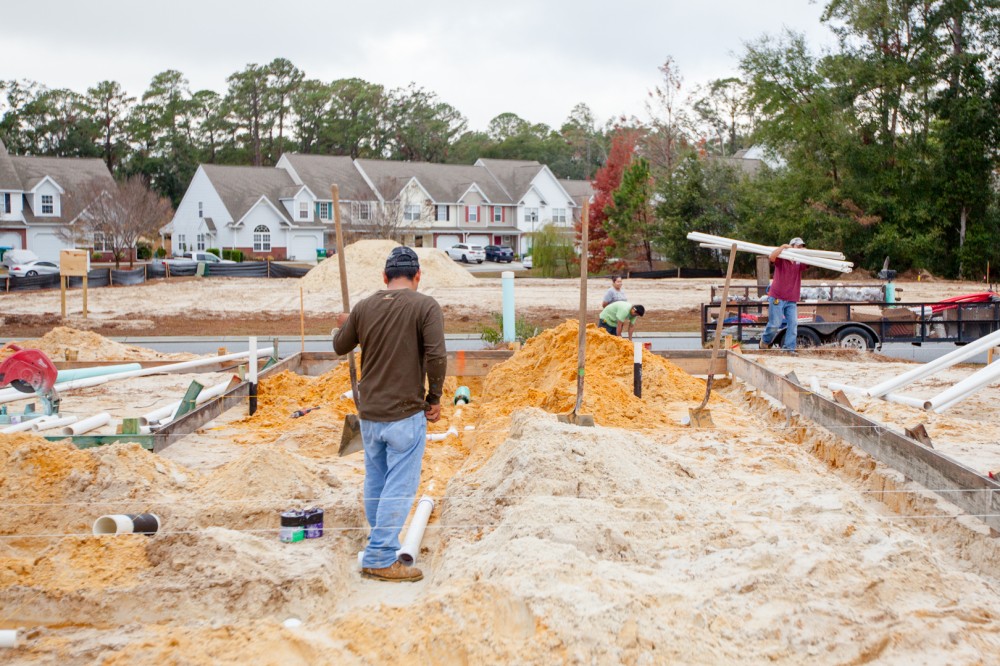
x=33, y=192
x=258, y=210
x=287, y=212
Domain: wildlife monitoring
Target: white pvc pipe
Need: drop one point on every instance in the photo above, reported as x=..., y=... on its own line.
x=726, y=243
x=819, y=254
x=929, y=368
x=802, y=257
x=8, y=638
x=158, y=415
x=441, y=436
x=88, y=424
x=27, y=424
x=414, y=535
x=888, y=397
x=10, y=395
x=121, y=523
x=48, y=424
x=964, y=388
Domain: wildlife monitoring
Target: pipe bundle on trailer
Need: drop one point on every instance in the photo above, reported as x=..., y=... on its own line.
x=820, y=258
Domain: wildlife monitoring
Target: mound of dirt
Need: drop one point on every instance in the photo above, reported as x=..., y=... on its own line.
x=543, y=374
x=365, y=261
x=90, y=346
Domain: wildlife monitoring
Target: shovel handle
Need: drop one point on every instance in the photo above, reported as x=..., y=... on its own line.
x=345, y=293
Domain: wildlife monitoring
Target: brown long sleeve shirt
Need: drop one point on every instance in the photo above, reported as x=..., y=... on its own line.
x=401, y=333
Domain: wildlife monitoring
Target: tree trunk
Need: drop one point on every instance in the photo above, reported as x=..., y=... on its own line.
x=963, y=220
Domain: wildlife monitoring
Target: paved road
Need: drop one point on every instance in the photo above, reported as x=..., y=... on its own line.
x=492, y=266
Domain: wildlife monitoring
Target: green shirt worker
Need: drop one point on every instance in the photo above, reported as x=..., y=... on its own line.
x=614, y=317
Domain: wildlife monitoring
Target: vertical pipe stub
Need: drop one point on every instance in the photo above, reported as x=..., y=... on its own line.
x=507, y=282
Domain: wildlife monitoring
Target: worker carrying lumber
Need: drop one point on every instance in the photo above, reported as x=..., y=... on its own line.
x=783, y=297
x=614, y=317
x=401, y=333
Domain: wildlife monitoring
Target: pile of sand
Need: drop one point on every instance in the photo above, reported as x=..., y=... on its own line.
x=365, y=262
x=543, y=374
x=90, y=346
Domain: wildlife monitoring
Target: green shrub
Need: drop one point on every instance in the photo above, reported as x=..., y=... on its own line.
x=143, y=251
x=161, y=252
x=233, y=255
x=493, y=335
x=213, y=250
x=95, y=256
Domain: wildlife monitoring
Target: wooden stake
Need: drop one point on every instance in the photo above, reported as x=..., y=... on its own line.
x=302, y=319
x=62, y=289
x=84, y=296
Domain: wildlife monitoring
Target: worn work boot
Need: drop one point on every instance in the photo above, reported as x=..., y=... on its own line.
x=396, y=573
x=764, y=345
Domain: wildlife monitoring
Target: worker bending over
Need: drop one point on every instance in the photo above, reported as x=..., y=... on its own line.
x=614, y=317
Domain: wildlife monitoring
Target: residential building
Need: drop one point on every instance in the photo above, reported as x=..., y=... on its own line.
x=34, y=193
x=498, y=202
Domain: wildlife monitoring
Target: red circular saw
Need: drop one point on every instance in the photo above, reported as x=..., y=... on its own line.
x=31, y=371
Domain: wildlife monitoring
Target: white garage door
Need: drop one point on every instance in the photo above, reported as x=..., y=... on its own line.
x=47, y=246
x=303, y=247
x=444, y=241
x=479, y=239
x=10, y=239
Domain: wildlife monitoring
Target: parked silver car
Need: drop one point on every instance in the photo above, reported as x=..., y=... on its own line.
x=34, y=268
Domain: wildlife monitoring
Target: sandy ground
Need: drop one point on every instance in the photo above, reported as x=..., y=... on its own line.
x=640, y=541
x=132, y=306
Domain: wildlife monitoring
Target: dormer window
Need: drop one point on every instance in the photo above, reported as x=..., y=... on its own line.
x=48, y=204
x=303, y=210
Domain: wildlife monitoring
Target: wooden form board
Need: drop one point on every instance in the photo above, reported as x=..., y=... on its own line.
x=973, y=493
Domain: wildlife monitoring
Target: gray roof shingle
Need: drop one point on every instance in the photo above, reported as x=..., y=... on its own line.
x=9, y=180
x=516, y=175
x=318, y=172
x=445, y=183
x=69, y=173
x=240, y=187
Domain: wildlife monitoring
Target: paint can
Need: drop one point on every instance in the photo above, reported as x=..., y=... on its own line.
x=292, y=526
x=313, y=523
x=462, y=395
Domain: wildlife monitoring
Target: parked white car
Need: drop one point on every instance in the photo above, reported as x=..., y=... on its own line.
x=33, y=268
x=526, y=262
x=467, y=253
x=198, y=257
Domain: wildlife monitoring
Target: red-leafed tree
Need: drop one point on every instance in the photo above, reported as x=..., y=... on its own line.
x=606, y=181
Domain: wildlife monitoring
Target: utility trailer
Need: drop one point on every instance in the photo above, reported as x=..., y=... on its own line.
x=855, y=325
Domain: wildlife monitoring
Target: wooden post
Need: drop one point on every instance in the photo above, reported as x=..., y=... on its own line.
x=302, y=319
x=62, y=289
x=763, y=273
x=84, y=296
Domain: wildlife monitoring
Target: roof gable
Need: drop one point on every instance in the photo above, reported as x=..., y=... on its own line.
x=319, y=172
x=9, y=180
x=241, y=188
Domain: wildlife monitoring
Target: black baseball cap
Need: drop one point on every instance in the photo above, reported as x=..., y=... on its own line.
x=402, y=257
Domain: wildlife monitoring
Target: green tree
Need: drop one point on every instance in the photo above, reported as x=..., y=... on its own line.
x=108, y=106
x=552, y=252
x=631, y=223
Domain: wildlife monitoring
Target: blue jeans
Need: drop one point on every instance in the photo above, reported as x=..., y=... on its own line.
x=613, y=330
x=778, y=312
x=394, y=452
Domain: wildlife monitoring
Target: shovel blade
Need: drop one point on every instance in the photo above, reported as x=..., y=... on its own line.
x=701, y=418
x=573, y=418
x=350, y=438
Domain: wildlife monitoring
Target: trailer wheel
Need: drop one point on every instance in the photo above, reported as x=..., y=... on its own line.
x=806, y=337
x=855, y=337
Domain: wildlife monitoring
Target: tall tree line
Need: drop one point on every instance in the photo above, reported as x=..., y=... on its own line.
x=887, y=145
x=266, y=111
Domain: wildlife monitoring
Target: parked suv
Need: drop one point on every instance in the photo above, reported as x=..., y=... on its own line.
x=499, y=253
x=467, y=253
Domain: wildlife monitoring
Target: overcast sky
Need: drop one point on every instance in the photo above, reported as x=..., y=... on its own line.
x=535, y=58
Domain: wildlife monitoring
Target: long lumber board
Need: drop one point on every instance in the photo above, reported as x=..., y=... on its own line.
x=949, y=478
